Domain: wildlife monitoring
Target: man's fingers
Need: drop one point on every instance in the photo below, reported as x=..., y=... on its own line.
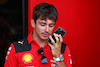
x=56, y=37
x=61, y=39
x=52, y=40
x=58, y=40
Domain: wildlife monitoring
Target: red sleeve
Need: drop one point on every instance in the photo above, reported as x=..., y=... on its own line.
x=10, y=60
x=67, y=57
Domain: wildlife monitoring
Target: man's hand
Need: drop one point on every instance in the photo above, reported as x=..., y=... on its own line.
x=56, y=47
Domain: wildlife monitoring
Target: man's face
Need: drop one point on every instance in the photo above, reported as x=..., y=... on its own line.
x=43, y=28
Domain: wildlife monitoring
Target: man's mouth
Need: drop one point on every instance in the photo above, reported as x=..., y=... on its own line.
x=45, y=35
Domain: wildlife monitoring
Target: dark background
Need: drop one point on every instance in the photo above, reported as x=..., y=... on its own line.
x=13, y=24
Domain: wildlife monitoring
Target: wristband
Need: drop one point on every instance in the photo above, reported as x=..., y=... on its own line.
x=61, y=58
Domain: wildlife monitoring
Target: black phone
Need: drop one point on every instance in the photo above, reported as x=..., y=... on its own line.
x=59, y=30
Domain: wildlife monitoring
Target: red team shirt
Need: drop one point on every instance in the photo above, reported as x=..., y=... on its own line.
x=31, y=58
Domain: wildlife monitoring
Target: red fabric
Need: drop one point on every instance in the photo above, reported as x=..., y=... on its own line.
x=32, y=58
x=11, y=57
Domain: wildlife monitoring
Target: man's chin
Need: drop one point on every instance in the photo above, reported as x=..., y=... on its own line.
x=44, y=38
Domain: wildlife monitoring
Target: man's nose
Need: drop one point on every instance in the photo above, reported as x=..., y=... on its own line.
x=47, y=29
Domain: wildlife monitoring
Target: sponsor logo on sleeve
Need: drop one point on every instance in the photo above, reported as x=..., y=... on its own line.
x=8, y=52
x=70, y=59
x=53, y=63
x=21, y=42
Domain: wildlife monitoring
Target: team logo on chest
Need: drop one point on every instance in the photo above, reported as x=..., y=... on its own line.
x=27, y=58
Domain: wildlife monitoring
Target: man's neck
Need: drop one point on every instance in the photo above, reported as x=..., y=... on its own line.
x=39, y=41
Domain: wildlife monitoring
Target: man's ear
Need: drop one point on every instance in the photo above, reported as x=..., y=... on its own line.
x=33, y=23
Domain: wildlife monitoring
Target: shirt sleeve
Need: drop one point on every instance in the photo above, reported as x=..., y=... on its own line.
x=10, y=60
x=67, y=57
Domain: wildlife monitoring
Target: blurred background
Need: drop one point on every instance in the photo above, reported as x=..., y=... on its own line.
x=80, y=18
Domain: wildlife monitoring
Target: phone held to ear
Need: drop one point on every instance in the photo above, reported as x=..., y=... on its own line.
x=58, y=31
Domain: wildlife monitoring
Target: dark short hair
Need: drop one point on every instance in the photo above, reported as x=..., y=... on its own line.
x=45, y=11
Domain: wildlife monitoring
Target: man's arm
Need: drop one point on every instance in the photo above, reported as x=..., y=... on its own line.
x=10, y=60
x=61, y=64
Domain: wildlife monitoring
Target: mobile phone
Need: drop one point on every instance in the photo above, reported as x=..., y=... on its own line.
x=58, y=31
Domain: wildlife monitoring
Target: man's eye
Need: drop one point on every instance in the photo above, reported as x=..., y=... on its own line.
x=51, y=25
x=42, y=24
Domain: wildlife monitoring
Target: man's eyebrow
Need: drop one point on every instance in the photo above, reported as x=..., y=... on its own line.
x=52, y=24
x=42, y=22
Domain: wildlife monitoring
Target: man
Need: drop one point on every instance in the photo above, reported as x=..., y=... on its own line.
x=35, y=51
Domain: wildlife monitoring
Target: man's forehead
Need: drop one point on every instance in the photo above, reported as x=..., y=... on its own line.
x=46, y=20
